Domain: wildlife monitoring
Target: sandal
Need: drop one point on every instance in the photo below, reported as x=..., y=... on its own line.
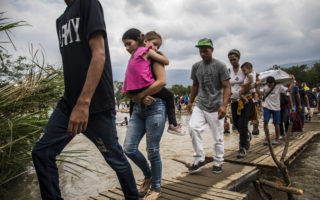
x=152, y=195
x=143, y=189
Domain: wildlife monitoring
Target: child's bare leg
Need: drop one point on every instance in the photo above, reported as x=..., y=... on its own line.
x=241, y=93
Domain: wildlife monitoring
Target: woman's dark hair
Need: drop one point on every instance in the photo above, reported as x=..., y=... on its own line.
x=133, y=34
x=235, y=52
x=246, y=65
x=270, y=79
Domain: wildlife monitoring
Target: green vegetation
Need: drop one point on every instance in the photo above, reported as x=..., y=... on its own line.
x=303, y=73
x=117, y=92
x=29, y=90
x=180, y=89
x=24, y=107
x=26, y=87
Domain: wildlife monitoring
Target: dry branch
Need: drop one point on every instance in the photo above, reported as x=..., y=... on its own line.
x=281, y=187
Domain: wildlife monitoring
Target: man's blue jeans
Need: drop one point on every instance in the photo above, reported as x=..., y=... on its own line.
x=101, y=130
x=149, y=120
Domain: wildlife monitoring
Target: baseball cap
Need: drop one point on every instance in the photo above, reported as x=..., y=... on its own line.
x=205, y=42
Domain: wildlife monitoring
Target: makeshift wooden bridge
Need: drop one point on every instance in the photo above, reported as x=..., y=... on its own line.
x=236, y=172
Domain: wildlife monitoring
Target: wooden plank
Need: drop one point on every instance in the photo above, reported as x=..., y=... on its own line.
x=117, y=191
x=295, y=146
x=175, y=194
x=210, y=189
x=99, y=197
x=305, y=137
x=165, y=196
x=112, y=194
x=191, y=193
x=254, y=155
x=205, y=193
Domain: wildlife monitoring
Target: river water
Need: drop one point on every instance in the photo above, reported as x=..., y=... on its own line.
x=79, y=183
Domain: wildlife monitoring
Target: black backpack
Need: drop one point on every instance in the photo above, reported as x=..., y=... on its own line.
x=284, y=99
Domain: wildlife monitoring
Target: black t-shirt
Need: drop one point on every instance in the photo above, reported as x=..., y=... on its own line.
x=75, y=26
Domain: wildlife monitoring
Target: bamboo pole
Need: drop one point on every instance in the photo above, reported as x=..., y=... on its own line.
x=281, y=187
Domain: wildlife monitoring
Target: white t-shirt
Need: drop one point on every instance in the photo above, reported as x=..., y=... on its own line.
x=272, y=102
x=254, y=76
x=236, y=80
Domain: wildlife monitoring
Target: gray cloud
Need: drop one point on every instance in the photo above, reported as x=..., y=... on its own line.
x=266, y=32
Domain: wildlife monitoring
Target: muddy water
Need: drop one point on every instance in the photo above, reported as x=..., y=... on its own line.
x=304, y=174
x=87, y=183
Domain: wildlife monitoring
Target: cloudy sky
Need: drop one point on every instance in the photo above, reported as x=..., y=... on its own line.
x=266, y=32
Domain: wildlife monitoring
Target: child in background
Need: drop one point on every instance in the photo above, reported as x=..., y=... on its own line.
x=139, y=74
x=248, y=85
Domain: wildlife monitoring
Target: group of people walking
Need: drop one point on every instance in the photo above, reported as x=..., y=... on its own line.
x=88, y=104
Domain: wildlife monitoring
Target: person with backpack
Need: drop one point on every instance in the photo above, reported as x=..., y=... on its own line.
x=271, y=97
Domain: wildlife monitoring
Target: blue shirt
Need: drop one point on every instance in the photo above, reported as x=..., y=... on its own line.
x=302, y=93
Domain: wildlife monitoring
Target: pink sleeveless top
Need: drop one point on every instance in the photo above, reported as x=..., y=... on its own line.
x=138, y=74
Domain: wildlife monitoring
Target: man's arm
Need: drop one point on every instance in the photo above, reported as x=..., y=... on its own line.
x=226, y=95
x=258, y=91
x=299, y=101
x=291, y=84
x=80, y=113
x=291, y=103
x=194, y=92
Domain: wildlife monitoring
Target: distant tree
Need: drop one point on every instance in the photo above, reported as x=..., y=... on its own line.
x=303, y=73
x=117, y=91
x=180, y=89
x=13, y=70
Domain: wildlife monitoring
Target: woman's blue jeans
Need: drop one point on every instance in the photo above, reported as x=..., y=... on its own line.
x=101, y=130
x=149, y=120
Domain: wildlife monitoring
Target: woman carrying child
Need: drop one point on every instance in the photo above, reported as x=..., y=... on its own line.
x=139, y=74
x=240, y=117
x=148, y=117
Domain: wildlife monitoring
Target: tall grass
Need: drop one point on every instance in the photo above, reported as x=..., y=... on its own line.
x=24, y=107
x=29, y=89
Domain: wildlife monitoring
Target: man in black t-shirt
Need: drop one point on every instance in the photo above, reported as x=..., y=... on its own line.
x=88, y=103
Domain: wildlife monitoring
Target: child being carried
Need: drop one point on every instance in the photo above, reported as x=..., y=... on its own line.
x=248, y=86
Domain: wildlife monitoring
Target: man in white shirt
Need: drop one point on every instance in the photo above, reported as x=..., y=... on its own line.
x=271, y=93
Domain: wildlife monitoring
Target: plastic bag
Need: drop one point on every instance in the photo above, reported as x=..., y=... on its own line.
x=280, y=76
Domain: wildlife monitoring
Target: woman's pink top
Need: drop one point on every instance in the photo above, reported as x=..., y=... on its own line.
x=138, y=74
